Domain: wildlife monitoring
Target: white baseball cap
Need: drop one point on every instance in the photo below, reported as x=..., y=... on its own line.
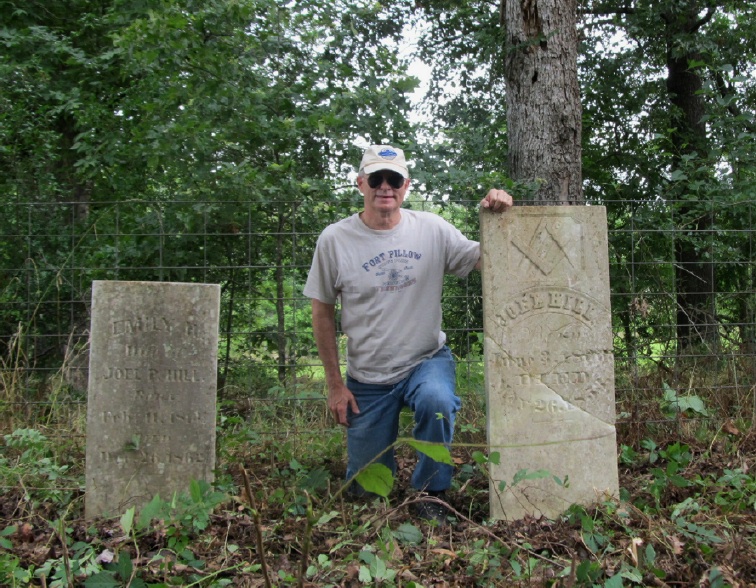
x=378, y=157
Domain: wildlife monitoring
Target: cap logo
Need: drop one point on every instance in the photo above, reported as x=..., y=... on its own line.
x=387, y=153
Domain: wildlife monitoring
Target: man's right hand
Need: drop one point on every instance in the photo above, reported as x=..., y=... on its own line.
x=340, y=401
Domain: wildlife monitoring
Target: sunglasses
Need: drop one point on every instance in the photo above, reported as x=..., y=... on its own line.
x=394, y=179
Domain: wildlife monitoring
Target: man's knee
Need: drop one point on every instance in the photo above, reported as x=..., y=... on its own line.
x=434, y=401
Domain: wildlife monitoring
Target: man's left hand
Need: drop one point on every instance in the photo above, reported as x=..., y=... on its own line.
x=496, y=200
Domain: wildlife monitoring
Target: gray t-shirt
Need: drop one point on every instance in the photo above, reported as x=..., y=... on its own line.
x=390, y=285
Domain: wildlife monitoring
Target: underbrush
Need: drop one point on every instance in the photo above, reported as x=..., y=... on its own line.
x=277, y=515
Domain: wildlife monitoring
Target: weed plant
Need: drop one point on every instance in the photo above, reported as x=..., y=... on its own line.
x=277, y=514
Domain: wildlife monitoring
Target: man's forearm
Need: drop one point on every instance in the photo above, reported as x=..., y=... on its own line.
x=324, y=329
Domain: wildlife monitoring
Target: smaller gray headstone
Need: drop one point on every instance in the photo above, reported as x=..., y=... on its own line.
x=152, y=392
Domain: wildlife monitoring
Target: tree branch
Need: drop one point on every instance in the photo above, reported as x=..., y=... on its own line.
x=732, y=108
x=704, y=19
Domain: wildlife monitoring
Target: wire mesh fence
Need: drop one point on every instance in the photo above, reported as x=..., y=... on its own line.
x=682, y=290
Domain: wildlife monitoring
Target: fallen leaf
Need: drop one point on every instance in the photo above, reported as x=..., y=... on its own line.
x=441, y=551
x=25, y=533
x=635, y=543
x=676, y=545
x=730, y=428
x=106, y=556
x=352, y=571
x=407, y=576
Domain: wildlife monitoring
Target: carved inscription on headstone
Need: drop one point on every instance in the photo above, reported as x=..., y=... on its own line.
x=548, y=357
x=152, y=391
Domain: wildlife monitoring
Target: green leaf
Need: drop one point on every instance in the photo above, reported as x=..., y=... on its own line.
x=7, y=532
x=195, y=491
x=672, y=404
x=124, y=567
x=479, y=457
x=582, y=572
x=327, y=517
x=127, y=519
x=102, y=580
x=633, y=574
x=614, y=582
x=152, y=510
x=436, y=451
x=365, y=576
x=516, y=567
x=697, y=532
x=376, y=478
x=650, y=555
x=694, y=404
x=315, y=480
x=380, y=571
x=679, y=481
x=409, y=533
x=526, y=475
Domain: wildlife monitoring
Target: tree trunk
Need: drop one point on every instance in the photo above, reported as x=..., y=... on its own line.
x=543, y=97
x=694, y=266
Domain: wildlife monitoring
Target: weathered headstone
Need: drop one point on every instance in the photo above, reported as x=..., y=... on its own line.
x=152, y=392
x=548, y=357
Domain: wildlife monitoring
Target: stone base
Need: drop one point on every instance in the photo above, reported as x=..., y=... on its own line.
x=575, y=463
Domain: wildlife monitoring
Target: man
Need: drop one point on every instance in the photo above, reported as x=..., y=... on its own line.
x=386, y=265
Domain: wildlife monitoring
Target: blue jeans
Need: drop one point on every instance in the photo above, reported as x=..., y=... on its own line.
x=429, y=390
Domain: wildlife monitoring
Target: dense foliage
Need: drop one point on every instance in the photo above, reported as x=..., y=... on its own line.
x=668, y=146
x=183, y=141
x=212, y=141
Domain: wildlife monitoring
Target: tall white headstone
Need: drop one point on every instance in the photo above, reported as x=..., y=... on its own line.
x=152, y=392
x=548, y=357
